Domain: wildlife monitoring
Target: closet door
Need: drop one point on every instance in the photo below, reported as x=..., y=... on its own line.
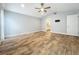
x=72, y=25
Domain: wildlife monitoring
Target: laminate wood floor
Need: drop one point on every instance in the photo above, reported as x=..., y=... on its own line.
x=41, y=43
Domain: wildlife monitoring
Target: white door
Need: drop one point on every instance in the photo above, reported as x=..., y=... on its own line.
x=72, y=25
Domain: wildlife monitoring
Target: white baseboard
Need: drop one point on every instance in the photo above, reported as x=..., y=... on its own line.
x=20, y=34
x=64, y=33
x=34, y=32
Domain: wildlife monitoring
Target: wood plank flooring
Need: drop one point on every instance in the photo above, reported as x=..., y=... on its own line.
x=41, y=43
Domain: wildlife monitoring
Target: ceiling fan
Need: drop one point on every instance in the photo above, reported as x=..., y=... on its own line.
x=43, y=9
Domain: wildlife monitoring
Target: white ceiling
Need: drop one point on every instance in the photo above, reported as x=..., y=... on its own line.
x=30, y=10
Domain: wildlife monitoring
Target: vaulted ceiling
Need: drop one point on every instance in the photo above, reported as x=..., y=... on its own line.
x=29, y=8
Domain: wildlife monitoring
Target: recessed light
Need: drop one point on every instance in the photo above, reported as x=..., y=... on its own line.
x=22, y=5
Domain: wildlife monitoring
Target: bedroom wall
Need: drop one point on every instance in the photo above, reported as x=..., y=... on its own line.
x=57, y=27
x=16, y=24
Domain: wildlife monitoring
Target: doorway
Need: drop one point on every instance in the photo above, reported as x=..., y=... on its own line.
x=48, y=25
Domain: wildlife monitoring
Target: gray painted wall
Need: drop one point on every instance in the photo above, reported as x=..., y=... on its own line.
x=59, y=27
x=16, y=24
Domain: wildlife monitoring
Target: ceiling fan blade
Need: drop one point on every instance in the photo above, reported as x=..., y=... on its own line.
x=45, y=10
x=39, y=11
x=37, y=8
x=47, y=7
